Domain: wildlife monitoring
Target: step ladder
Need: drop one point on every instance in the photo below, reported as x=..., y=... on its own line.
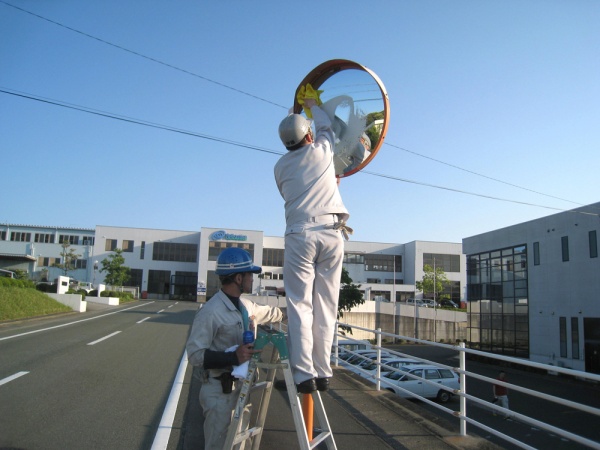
x=241, y=430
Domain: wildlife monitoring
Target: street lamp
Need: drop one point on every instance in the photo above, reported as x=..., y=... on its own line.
x=95, y=268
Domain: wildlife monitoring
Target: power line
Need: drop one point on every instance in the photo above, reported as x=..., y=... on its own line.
x=253, y=147
x=149, y=58
x=139, y=122
x=270, y=102
x=481, y=175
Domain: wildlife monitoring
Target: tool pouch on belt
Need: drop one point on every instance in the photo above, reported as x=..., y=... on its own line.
x=226, y=382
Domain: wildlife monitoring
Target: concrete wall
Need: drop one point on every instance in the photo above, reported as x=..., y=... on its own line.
x=429, y=324
x=73, y=301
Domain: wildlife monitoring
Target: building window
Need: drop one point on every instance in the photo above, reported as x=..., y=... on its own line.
x=47, y=262
x=81, y=264
x=215, y=248
x=185, y=285
x=18, y=236
x=565, y=248
x=127, y=246
x=593, y=244
x=373, y=280
x=273, y=257
x=3, y=235
x=383, y=263
x=142, y=249
x=354, y=258
x=448, y=263
x=159, y=281
x=574, y=338
x=536, y=253
x=110, y=245
x=498, y=306
x=174, y=251
x=67, y=238
x=562, y=323
x=44, y=238
x=88, y=240
x=135, y=277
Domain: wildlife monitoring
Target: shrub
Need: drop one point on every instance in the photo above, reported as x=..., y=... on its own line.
x=43, y=287
x=121, y=295
x=18, y=283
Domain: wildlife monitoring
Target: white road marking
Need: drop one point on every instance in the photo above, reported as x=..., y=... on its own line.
x=105, y=337
x=160, y=311
x=12, y=377
x=72, y=323
x=143, y=320
x=161, y=440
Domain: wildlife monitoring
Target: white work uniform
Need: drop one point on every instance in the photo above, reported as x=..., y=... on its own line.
x=219, y=325
x=314, y=250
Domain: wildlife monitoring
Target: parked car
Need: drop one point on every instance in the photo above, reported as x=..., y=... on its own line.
x=76, y=285
x=366, y=357
x=448, y=304
x=440, y=376
x=352, y=355
x=428, y=303
x=414, y=302
x=352, y=344
x=369, y=370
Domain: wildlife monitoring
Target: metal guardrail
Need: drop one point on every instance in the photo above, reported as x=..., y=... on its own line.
x=464, y=396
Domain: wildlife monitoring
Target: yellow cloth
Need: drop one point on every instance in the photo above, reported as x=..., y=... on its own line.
x=308, y=92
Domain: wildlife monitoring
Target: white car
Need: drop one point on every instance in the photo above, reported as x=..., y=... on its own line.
x=428, y=303
x=346, y=356
x=414, y=302
x=364, y=358
x=440, y=376
x=370, y=370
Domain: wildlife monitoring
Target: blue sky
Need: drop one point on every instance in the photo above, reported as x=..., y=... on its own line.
x=495, y=98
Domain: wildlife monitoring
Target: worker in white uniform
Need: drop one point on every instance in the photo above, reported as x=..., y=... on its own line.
x=314, y=247
x=218, y=326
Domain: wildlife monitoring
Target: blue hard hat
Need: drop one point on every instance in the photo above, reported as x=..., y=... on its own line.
x=235, y=260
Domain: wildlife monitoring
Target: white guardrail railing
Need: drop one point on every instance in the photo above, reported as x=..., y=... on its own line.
x=462, y=392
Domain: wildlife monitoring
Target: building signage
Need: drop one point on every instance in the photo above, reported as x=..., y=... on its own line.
x=224, y=236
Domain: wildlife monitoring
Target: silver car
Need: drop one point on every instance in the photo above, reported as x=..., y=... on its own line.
x=410, y=379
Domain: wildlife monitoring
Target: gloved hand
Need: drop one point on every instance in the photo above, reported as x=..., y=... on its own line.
x=309, y=93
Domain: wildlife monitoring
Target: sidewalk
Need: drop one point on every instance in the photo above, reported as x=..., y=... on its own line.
x=360, y=418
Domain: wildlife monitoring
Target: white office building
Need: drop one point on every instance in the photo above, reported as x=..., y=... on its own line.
x=533, y=290
x=180, y=264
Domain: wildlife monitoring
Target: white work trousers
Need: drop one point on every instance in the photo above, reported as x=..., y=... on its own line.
x=312, y=270
x=218, y=409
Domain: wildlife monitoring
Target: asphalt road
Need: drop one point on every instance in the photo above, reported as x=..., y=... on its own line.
x=577, y=422
x=92, y=380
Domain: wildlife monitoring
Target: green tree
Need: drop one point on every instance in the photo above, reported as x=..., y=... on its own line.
x=350, y=296
x=432, y=283
x=68, y=258
x=117, y=274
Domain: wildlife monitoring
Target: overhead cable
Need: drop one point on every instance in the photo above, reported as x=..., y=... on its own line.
x=253, y=147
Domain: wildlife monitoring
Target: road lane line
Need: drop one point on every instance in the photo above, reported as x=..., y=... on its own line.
x=161, y=440
x=105, y=337
x=12, y=377
x=160, y=311
x=72, y=323
x=143, y=320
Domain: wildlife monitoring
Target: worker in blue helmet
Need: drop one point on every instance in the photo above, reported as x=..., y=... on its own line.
x=218, y=326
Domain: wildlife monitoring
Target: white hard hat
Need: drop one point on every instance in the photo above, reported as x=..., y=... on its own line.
x=292, y=129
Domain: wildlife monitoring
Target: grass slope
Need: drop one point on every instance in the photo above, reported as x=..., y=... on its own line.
x=20, y=303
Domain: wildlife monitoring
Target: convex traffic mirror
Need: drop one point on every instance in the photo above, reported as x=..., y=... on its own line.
x=357, y=103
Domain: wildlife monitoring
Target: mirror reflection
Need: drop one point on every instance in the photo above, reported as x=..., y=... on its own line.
x=356, y=102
